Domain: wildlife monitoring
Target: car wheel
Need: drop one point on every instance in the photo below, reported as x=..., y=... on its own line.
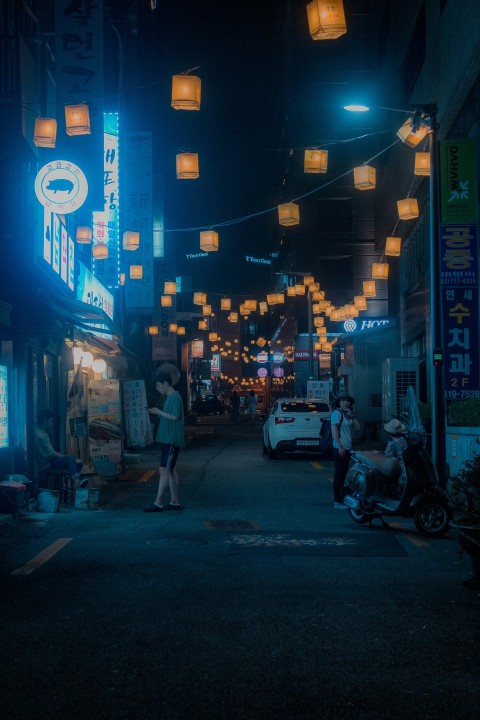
x=272, y=454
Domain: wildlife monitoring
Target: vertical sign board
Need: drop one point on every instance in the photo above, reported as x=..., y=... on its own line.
x=459, y=269
x=79, y=48
x=137, y=216
x=3, y=407
x=104, y=426
x=137, y=420
x=58, y=248
x=164, y=345
x=106, y=225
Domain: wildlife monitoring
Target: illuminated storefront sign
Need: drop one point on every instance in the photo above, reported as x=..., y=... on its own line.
x=91, y=291
x=352, y=325
x=258, y=261
x=106, y=223
x=215, y=363
x=58, y=248
x=61, y=187
x=3, y=406
x=262, y=357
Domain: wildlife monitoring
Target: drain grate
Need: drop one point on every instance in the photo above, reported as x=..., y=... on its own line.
x=232, y=525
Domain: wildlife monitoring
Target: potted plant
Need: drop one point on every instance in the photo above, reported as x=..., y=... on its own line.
x=464, y=491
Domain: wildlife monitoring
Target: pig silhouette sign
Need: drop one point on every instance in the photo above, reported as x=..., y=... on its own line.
x=61, y=186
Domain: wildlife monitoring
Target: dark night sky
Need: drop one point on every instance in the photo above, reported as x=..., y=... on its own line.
x=262, y=94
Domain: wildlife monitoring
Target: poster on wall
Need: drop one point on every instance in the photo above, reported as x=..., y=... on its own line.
x=104, y=426
x=138, y=429
x=76, y=418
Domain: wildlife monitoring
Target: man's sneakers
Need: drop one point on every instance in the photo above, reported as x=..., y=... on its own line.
x=339, y=506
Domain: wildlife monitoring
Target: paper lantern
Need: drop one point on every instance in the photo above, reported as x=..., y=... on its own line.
x=45, y=132
x=251, y=305
x=261, y=342
x=407, y=208
x=380, y=271
x=122, y=278
x=153, y=330
x=186, y=92
x=351, y=311
x=207, y=309
x=202, y=324
x=131, y=240
x=199, y=298
x=244, y=309
x=136, y=272
x=369, y=288
x=187, y=166
x=392, y=246
x=291, y=291
x=99, y=365
x=309, y=280
x=83, y=235
x=170, y=288
x=166, y=300
x=263, y=307
x=272, y=299
x=77, y=119
x=280, y=298
x=209, y=240
x=315, y=161
x=87, y=359
x=289, y=214
x=326, y=20
x=318, y=295
x=411, y=138
x=360, y=302
x=173, y=327
x=318, y=321
x=299, y=289
x=181, y=330
x=422, y=163
x=321, y=330
x=364, y=177
x=317, y=346
x=225, y=304
x=100, y=251
x=233, y=317
x=327, y=347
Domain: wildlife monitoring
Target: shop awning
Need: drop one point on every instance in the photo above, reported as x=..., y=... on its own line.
x=79, y=314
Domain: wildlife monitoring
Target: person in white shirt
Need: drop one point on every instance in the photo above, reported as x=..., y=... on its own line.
x=342, y=421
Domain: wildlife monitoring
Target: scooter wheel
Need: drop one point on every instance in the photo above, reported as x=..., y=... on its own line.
x=432, y=518
x=357, y=516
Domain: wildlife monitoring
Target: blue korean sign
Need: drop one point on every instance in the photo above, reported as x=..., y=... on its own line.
x=461, y=364
x=459, y=255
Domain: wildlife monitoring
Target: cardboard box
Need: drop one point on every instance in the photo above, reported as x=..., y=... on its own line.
x=86, y=498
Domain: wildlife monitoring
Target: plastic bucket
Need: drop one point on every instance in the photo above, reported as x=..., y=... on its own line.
x=47, y=501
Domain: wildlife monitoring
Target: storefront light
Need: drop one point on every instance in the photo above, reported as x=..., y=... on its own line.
x=99, y=365
x=87, y=359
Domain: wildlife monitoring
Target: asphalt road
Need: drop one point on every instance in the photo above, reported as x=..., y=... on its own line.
x=257, y=601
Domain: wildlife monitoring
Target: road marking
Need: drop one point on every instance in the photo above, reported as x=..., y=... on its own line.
x=42, y=557
x=150, y=473
x=316, y=465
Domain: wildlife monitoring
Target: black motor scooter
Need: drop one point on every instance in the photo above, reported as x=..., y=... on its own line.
x=378, y=486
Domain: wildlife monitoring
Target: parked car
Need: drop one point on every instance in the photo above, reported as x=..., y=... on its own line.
x=207, y=405
x=293, y=425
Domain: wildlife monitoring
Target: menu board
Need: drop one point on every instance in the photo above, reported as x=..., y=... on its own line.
x=3, y=407
x=104, y=426
x=137, y=420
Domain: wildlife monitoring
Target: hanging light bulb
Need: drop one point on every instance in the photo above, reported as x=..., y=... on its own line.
x=99, y=365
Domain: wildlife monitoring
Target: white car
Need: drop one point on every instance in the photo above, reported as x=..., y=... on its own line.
x=293, y=424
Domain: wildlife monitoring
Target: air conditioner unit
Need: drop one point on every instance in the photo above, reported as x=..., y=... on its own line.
x=397, y=375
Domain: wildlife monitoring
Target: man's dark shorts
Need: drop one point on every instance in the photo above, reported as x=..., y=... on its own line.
x=168, y=455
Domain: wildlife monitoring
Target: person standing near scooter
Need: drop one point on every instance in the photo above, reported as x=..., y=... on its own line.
x=342, y=421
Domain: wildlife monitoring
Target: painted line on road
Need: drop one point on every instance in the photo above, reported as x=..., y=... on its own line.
x=413, y=538
x=316, y=465
x=150, y=473
x=42, y=557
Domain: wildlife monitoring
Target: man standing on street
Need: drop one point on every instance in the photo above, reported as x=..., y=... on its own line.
x=171, y=436
x=342, y=421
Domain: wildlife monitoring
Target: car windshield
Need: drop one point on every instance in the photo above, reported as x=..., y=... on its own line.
x=303, y=406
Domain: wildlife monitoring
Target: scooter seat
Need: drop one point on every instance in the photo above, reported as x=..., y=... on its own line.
x=386, y=465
